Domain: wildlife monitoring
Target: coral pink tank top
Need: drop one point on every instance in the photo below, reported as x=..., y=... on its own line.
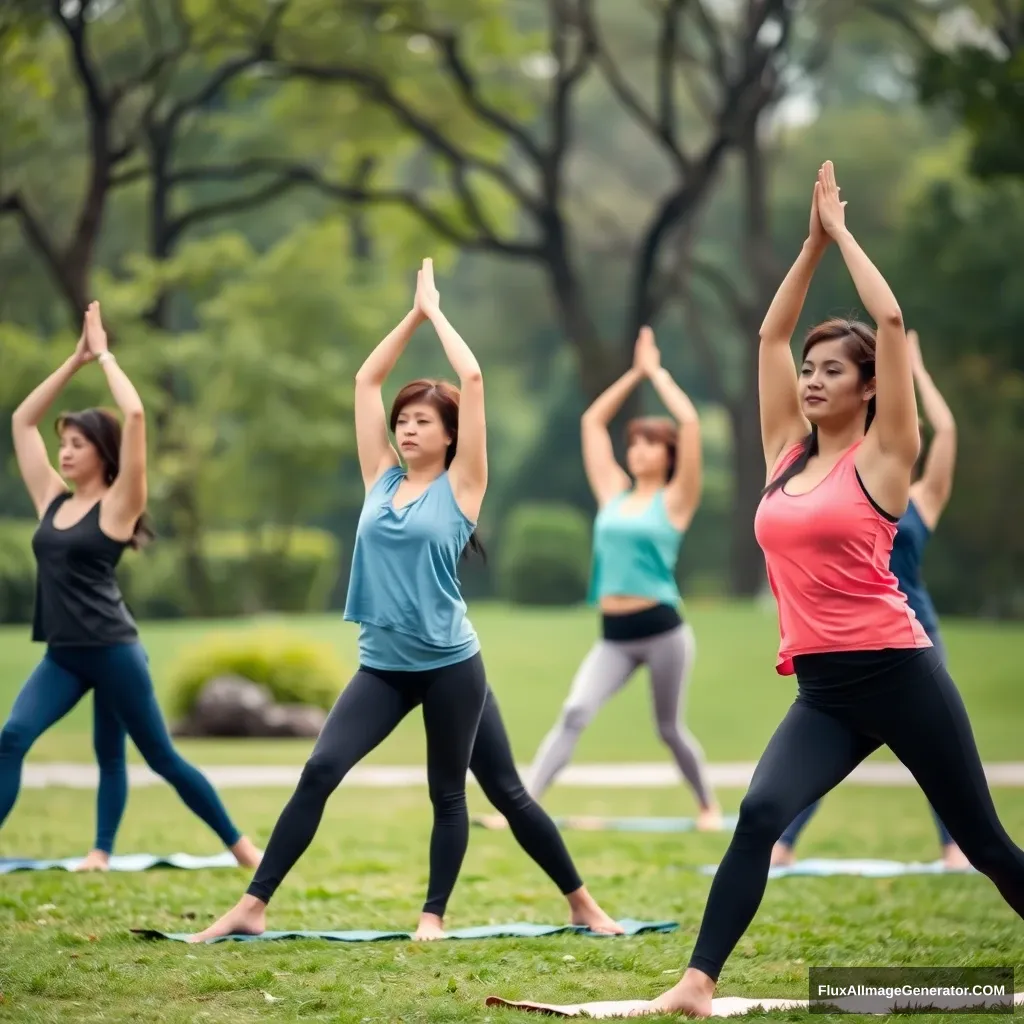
x=827, y=555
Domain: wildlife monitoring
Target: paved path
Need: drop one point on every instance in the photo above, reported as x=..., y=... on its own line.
x=597, y=776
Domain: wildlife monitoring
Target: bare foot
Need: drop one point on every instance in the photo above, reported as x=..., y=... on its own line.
x=782, y=856
x=953, y=858
x=691, y=997
x=493, y=821
x=246, y=853
x=247, y=917
x=709, y=819
x=96, y=860
x=430, y=928
x=584, y=910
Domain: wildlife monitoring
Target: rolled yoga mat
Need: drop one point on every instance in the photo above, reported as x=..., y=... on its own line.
x=586, y=823
x=515, y=930
x=124, y=862
x=822, y=868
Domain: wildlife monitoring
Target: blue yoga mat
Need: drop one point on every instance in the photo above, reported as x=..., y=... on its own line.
x=515, y=930
x=863, y=868
x=586, y=823
x=124, y=862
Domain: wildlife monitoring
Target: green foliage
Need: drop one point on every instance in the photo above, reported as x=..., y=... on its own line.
x=295, y=669
x=17, y=570
x=545, y=555
x=268, y=570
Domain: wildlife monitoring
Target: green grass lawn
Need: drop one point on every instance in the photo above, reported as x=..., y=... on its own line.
x=66, y=955
x=736, y=699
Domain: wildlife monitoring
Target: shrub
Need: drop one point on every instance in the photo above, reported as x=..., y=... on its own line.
x=17, y=570
x=295, y=669
x=545, y=555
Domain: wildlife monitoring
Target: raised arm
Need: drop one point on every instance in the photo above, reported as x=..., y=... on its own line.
x=782, y=422
x=682, y=495
x=126, y=500
x=895, y=429
x=42, y=481
x=373, y=444
x=605, y=476
x=932, y=491
x=468, y=471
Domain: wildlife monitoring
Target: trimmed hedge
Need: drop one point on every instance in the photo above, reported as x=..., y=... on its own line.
x=545, y=555
x=271, y=572
x=295, y=669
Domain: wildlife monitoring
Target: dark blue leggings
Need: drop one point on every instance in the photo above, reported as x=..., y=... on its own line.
x=124, y=704
x=797, y=825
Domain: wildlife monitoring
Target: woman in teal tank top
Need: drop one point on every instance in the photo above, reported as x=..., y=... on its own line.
x=642, y=517
x=417, y=647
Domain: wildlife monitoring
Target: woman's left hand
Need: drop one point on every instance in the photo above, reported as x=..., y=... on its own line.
x=646, y=357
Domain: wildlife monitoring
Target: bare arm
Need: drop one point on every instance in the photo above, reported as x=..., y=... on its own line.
x=468, y=471
x=684, y=489
x=782, y=422
x=894, y=429
x=373, y=444
x=42, y=481
x=932, y=491
x=126, y=500
x=606, y=477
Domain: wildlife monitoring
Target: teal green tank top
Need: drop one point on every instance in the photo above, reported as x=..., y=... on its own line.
x=404, y=588
x=635, y=553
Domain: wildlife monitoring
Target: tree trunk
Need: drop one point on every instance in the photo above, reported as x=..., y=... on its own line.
x=746, y=561
x=182, y=503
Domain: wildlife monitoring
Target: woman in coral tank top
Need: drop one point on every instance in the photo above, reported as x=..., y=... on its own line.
x=840, y=444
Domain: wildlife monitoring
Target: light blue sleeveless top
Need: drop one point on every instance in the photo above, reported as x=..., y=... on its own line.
x=404, y=586
x=635, y=553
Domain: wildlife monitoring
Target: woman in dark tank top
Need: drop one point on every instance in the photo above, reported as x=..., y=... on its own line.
x=92, y=641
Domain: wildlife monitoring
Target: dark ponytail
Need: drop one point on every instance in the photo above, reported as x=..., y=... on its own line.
x=859, y=343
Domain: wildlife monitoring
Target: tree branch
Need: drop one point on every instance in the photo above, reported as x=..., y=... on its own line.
x=624, y=91
x=288, y=175
x=567, y=77
x=668, y=41
x=74, y=27
x=380, y=91
x=36, y=236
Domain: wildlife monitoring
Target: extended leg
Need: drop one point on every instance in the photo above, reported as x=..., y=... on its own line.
x=493, y=766
x=604, y=671
x=108, y=740
x=47, y=696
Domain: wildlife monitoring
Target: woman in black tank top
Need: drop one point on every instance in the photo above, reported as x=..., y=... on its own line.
x=92, y=640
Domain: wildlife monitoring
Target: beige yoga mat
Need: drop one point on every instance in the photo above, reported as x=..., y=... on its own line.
x=727, y=1006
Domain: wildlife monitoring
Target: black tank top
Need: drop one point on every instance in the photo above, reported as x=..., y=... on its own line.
x=78, y=600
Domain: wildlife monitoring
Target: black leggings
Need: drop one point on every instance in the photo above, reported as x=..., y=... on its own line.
x=368, y=710
x=494, y=768
x=364, y=715
x=848, y=705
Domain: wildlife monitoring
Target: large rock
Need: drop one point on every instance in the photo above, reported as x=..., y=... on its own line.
x=230, y=706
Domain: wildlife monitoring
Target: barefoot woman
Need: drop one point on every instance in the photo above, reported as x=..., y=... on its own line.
x=840, y=446
x=929, y=496
x=416, y=644
x=92, y=641
x=639, y=528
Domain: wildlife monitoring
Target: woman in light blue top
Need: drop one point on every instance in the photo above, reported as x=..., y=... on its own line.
x=416, y=644
x=637, y=535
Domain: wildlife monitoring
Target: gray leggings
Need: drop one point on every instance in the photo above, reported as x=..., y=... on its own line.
x=606, y=670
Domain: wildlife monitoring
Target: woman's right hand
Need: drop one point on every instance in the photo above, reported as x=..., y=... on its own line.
x=817, y=235
x=831, y=211
x=83, y=354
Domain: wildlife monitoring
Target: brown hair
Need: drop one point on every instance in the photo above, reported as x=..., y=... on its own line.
x=102, y=429
x=657, y=430
x=444, y=397
x=859, y=347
